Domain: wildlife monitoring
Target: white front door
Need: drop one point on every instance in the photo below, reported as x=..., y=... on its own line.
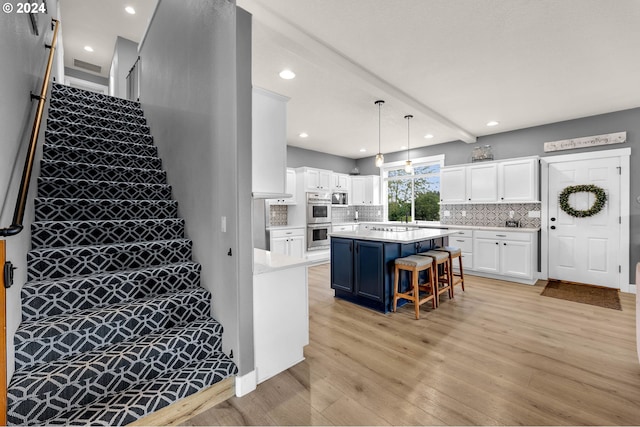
x=585, y=250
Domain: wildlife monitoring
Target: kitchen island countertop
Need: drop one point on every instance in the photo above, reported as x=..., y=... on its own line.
x=404, y=236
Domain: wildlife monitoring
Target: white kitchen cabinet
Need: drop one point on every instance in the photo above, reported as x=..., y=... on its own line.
x=463, y=240
x=269, y=142
x=453, y=185
x=288, y=241
x=340, y=182
x=482, y=183
x=506, y=181
x=365, y=190
x=518, y=180
x=290, y=189
x=315, y=179
x=509, y=254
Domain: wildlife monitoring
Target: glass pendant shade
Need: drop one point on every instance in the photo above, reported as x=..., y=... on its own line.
x=379, y=156
x=408, y=168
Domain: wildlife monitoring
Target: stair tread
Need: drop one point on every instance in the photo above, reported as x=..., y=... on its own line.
x=115, y=168
x=74, y=368
x=147, y=397
x=86, y=248
x=71, y=135
x=100, y=152
x=59, y=103
x=59, y=324
x=33, y=287
x=82, y=125
x=59, y=90
x=95, y=182
x=53, y=109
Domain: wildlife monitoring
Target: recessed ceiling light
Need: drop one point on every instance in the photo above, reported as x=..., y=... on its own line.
x=428, y=136
x=130, y=10
x=362, y=150
x=403, y=147
x=304, y=135
x=88, y=48
x=287, y=74
x=492, y=123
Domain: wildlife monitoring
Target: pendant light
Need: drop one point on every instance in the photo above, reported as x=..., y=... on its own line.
x=379, y=156
x=408, y=168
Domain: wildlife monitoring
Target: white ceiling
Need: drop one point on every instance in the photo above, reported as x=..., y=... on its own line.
x=98, y=23
x=454, y=65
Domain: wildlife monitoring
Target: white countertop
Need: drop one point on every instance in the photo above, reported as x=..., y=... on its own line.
x=410, y=236
x=283, y=227
x=267, y=262
x=436, y=224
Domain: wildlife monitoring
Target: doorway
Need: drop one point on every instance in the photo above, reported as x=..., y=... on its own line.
x=595, y=249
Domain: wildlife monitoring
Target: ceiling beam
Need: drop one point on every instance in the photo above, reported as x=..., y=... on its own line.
x=313, y=49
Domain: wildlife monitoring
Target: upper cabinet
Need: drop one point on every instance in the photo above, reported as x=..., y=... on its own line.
x=340, y=182
x=290, y=189
x=269, y=143
x=365, y=190
x=504, y=181
x=315, y=179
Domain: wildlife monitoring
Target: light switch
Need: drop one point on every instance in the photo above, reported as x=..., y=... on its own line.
x=447, y=213
x=534, y=214
x=463, y=213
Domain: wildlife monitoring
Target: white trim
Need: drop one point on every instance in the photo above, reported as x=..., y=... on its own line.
x=86, y=84
x=146, y=31
x=245, y=384
x=624, y=155
x=432, y=159
x=632, y=289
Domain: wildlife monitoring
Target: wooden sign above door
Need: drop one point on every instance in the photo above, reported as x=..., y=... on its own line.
x=587, y=141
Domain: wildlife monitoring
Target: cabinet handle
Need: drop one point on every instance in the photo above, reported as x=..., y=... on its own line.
x=350, y=246
x=460, y=241
x=357, y=248
x=469, y=199
x=505, y=244
x=289, y=232
x=501, y=198
x=501, y=235
x=497, y=243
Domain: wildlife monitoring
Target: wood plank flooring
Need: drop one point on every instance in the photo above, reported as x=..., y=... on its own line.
x=498, y=354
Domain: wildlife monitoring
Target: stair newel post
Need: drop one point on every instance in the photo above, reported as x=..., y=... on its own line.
x=3, y=338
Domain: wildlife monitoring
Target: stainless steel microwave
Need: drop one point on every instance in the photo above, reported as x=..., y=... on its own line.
x=339, y=198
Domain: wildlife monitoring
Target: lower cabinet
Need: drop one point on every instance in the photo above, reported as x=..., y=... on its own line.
x=288, y=241
x=463, y=240
x=342, y=264
x=357, y=268
x=508, y=254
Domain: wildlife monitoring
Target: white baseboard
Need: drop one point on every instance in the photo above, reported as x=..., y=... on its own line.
x=632, y=289
x=246, y=384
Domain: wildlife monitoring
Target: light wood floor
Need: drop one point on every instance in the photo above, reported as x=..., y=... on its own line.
x=499, y=354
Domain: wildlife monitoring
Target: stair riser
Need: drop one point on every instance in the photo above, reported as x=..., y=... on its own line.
x=54, y=234
x=79, y=155
x=72, y=170
x=47, y=209
x=43, y=342
x=54, y=263
x=95, y=120
x=62, y=104
x=82, y=189
x=97, y=132
x=87, y=97
x=100, y=144
x=154, y=395
x=72, y=295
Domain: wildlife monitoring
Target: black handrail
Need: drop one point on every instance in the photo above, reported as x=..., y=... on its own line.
x=18, y=214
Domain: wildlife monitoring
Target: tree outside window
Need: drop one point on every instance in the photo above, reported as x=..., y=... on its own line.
x=413, y=196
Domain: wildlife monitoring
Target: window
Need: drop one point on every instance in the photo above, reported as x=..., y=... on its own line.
x=413, y=196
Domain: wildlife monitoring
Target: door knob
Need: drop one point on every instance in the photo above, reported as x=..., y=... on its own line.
x=553, y=219
x=553, y=227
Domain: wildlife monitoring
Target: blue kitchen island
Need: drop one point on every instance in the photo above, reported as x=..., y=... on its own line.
x=363, y=262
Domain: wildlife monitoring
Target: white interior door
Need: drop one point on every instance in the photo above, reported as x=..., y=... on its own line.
x=585, y=250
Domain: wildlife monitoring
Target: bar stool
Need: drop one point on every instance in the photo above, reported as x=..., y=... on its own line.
x=442, y=268
x=454, y=252
x=414, y=264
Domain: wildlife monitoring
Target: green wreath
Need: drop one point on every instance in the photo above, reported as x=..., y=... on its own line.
x=601, y=200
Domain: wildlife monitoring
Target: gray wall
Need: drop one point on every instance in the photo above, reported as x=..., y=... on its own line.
x=530, y=141
x=79, y=74
x=192, y=111
x=299, y=157
x=125, y=54
x=22, y=69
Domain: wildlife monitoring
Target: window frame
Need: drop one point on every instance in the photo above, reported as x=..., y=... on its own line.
x=384, y=177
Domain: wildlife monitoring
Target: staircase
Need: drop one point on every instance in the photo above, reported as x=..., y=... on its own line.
x=114, y=324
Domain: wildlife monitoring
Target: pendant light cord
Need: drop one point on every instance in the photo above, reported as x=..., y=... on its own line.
x=408, y=117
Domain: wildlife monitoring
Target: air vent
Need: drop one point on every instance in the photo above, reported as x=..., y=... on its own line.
x=87, y=66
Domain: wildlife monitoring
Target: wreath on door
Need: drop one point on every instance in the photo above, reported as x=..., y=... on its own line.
x=598, y=204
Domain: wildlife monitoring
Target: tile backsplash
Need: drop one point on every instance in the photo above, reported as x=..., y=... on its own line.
x=368, y=213
x=278, y=215
x=490, y=214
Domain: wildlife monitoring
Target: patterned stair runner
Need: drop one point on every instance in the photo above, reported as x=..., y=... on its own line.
x=114, y=324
